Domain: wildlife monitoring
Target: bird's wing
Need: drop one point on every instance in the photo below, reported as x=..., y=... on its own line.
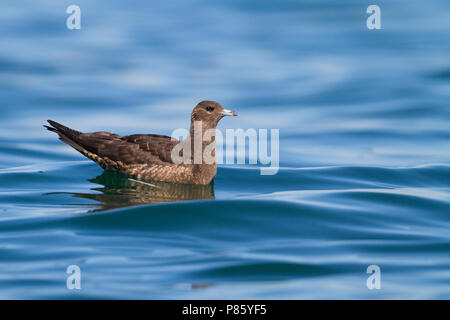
x=112, y=146
x=134, y=149
x=139, y=150
x=158, y=146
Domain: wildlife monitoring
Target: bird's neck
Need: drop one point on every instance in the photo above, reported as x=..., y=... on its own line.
x=202, y=138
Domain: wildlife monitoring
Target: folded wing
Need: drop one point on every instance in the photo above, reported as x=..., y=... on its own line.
x=159, y=146
x=133, y=149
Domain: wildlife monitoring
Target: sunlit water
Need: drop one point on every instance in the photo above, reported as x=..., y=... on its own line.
x=364, y=122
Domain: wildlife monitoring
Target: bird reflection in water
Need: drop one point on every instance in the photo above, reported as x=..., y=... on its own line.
x=120, y=191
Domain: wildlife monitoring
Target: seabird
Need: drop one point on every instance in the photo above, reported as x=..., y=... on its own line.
x=149, y=156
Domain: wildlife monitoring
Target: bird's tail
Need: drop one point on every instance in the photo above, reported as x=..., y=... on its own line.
x=66, y=135
x=62, y=130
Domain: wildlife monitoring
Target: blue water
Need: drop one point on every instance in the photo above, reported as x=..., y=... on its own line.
x=364, y=120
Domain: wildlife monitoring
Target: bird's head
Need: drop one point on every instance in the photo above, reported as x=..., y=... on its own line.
x=210, y=112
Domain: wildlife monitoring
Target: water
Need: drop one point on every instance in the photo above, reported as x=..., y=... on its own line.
x=364, y=121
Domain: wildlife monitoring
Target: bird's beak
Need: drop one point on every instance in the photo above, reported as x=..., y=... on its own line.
x=227, y=112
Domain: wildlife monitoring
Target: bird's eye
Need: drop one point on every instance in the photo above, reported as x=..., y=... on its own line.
x=209, y=108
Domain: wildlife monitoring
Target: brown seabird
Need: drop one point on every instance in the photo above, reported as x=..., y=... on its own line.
x=149, y=156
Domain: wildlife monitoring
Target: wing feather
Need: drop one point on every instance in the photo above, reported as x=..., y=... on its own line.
x=112, y=146
x=159, y=146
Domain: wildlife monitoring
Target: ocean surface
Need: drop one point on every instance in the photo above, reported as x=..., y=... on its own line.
x=364, y=128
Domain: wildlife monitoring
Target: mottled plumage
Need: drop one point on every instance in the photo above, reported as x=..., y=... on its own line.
x=147, y=156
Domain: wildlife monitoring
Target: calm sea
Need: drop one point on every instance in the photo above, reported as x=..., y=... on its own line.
x=364, y=123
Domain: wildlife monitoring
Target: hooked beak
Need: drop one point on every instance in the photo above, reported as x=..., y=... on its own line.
x=227, y=112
